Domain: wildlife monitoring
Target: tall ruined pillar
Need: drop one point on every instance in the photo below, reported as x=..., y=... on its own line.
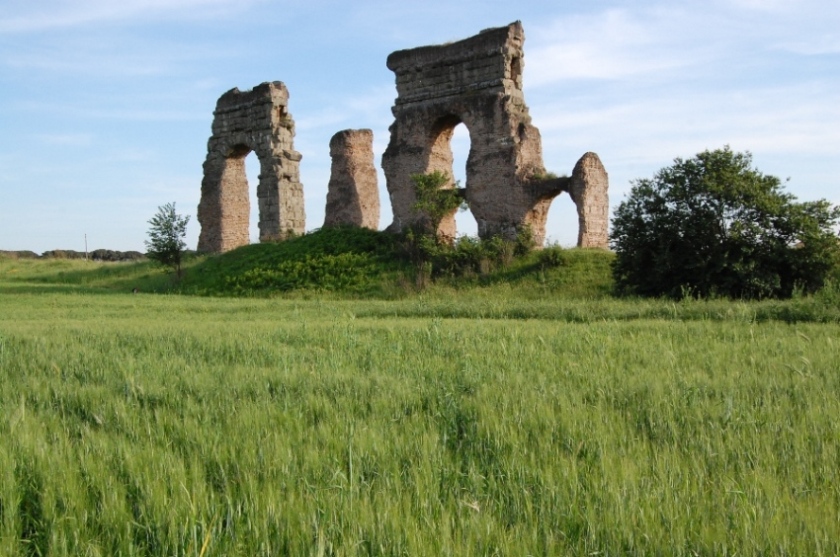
x=589, y=190
x=257, y=120
x=353, y=193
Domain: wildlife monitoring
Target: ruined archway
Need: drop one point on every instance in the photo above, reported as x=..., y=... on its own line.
x=477, y=81
x=258, y=121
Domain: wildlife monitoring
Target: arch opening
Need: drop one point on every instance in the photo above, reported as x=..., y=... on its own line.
x=465, y=223
x=448, y=153
x=252, y=180
x=234, y=199
x=240, y=195
x=561, y=225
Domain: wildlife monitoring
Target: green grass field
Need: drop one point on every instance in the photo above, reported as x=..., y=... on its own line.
x=523, y=413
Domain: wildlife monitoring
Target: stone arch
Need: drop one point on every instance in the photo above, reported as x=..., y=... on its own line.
x=477, y=81
x=258, y=121
x=588, y=188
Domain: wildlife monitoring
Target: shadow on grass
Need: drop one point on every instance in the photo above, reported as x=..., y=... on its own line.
x=575, y=273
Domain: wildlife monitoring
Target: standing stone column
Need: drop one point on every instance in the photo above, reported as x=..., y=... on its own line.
x=589, y=190
x=353, y=196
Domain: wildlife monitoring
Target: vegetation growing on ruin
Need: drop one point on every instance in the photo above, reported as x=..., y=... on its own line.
x=544, y=176
x=434, y=199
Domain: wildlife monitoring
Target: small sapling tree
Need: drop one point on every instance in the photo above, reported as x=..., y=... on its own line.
x=434, y=201
x=166, y=237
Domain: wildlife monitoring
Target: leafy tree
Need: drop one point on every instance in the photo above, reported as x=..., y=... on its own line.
x=714, y=225
x=166, y=237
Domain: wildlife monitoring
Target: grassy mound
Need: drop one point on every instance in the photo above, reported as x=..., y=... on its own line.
x=354, y=262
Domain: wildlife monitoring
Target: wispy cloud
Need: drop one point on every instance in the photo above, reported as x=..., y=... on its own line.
x=102, y=63
x=615, y=44
x=123, y=112
x=813, y=45
x=644, y=86
x=760, y=119
x=22, y=16
x=103, y=54
x=774, y=6
x=66, y=139
x=368, y=109
x=328, y=117
x=661, y=40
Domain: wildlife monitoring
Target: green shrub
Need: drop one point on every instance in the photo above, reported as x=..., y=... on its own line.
x=327, y=272
x=551, y=257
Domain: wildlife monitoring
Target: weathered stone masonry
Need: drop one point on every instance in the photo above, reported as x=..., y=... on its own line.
x=588, y=189
x=353, y=194
x=257, y=120
x=477, y=82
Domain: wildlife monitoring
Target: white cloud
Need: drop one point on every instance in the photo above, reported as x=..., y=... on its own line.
x=104, y=54
x=123, y=112
x=24, y=16
x=813, y=45
x=66, y=139
x=611, y=45
x=133, y=65
x=805, y=27
x=776, y=7
x=328, y=117
x=783, y=119
x=660, y=41
x=369, y=109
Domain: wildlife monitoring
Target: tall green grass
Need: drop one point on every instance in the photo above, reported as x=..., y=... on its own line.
x=171, y=425
x=522, y=411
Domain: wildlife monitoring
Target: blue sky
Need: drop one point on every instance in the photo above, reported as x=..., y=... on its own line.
x=106, y=106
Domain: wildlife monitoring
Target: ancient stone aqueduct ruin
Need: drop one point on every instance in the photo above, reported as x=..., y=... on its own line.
x=476, y=81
